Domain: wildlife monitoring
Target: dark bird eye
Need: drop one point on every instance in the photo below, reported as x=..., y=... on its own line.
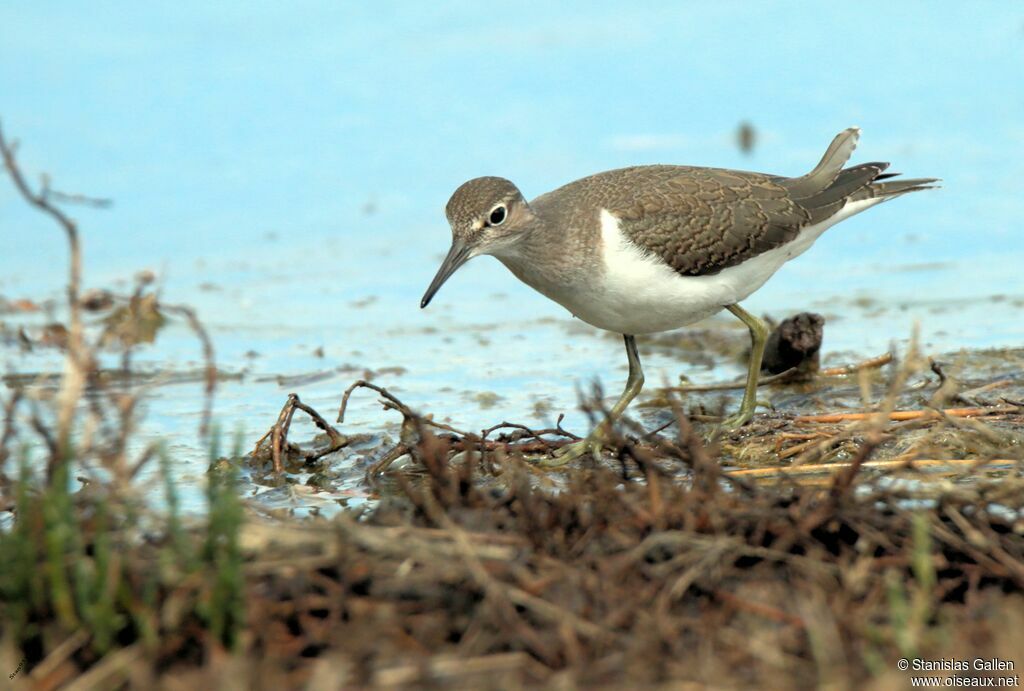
x=497, y=216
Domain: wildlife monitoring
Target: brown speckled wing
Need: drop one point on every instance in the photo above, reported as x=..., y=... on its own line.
x=702, y=220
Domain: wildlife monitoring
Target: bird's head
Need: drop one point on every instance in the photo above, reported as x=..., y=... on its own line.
x=488, y=216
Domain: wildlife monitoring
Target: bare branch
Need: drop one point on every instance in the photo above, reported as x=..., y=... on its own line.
x=78, y=362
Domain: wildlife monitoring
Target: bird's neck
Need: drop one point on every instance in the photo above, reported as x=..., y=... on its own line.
x=552, y=258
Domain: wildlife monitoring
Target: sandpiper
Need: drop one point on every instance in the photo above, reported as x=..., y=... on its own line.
x=652, y=248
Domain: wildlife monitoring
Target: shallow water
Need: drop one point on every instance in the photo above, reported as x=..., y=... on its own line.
x=285, y=172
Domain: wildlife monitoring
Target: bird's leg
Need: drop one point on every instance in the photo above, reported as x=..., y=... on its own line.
x=758, y=337
x=596, y=439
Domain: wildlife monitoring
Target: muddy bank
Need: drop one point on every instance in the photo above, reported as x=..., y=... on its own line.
x=664, y=563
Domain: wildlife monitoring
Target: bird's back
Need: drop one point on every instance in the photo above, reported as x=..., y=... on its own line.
x=700, y=221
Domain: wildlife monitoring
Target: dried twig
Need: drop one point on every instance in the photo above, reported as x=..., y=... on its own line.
x=535, y=434
x=392, y=403
x=897, y=464
x=870, y=363
x=279, y=436
x=76, y=198
x=78, y=363
x=898, y=415
x=760, y=609
x=278, y=433
x=8, y=429
x=781, y=377
x=844, y=479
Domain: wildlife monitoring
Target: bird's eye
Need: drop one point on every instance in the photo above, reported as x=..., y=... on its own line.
x=497, y=216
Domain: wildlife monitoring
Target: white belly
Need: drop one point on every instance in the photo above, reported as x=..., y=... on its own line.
x=641, y=294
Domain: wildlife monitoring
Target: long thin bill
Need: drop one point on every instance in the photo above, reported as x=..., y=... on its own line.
x=457, y=256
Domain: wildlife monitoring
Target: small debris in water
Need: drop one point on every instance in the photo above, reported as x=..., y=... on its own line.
x=746, y=137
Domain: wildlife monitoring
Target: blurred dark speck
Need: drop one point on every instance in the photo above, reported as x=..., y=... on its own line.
x=746, y=137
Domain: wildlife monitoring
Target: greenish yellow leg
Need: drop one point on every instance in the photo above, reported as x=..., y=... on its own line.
x=758, y=337
x=596, y=439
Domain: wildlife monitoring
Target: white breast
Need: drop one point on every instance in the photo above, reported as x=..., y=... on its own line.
x=639, y=293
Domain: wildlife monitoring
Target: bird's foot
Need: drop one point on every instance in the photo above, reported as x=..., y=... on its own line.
x=591, y=446
x=734, y=422
x=722, y=429
x=742, y=417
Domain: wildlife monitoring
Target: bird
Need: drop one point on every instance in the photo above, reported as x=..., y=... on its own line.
x=652, y=248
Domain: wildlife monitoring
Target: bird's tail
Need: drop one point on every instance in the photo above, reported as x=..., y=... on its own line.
x=828, y=169
x=893, y=188
x=829, y=186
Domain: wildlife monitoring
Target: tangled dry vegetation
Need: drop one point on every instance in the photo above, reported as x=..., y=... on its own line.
x=858, y=539
x=800, y=552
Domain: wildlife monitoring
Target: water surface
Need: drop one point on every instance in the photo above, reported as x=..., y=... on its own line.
x=285, y=171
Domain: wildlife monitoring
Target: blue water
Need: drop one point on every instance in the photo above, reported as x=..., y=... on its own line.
x=285, y=169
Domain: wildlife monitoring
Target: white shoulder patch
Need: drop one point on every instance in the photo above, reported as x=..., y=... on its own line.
x=623, y=260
